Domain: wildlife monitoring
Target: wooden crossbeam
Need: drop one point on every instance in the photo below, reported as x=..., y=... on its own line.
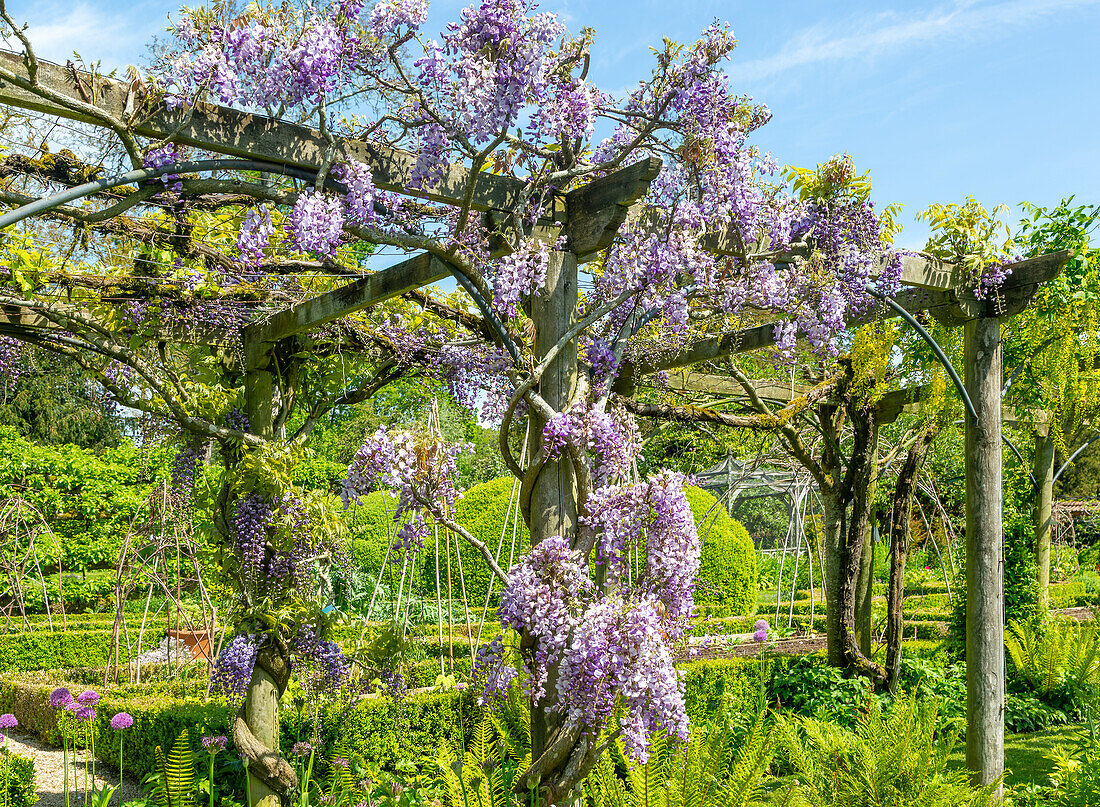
x=240, y=134
x=332, y=305
x=944, y=305
x=17, y=320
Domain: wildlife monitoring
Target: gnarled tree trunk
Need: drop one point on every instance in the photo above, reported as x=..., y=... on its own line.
x=858, y=488
x=899, y=552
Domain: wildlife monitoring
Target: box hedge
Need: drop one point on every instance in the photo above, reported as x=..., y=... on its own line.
x=377, y=730
x=17, y=776
x=727, y=568
x=76, y=647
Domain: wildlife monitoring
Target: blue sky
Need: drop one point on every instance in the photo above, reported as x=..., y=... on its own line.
x=999, y=99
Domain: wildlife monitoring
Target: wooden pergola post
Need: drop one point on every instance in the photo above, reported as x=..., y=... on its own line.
x=985, y=673
x=1044, y=496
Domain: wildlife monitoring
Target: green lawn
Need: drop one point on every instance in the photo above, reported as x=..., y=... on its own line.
x=1025, y=754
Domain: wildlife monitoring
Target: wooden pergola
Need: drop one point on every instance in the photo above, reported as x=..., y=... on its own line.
x=589, y=218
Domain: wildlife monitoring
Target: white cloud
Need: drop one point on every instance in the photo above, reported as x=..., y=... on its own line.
x=115, y=36
x=887, y=32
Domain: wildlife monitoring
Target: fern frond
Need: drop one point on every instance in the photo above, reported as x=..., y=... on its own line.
x=179, y=772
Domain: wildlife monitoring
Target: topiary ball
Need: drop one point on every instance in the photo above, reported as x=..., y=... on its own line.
x=727, y=569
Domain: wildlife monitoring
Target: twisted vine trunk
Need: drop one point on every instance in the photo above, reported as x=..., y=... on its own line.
x=899, y=552
x=256, y=731
x=256, y=727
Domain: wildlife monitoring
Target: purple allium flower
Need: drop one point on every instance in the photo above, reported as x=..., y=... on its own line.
x=339, y=762
x=760, y=630
x=88, y=697
x=8, y=721
x=301, y=749
x=214, y=743
x=84, y=713
x=121, y=721
x=60, y=698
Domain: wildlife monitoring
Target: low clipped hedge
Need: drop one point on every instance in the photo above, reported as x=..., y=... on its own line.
x=381, y=733
x=385, y=734
x=76, y=647
x=17, y=775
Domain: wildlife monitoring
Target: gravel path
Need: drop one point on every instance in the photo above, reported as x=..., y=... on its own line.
x=49, y=772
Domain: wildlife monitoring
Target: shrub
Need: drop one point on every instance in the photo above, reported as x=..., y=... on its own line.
x=1021, y=583
x=892, y=760
x=17, y=772
x=44, y=650
x=1076, y=774
x=727, y=569
x=818, y=690
x=483, y=510
x=1061, y=665
x=87, y=497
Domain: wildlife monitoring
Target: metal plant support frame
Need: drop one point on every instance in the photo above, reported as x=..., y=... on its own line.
x=144, y=174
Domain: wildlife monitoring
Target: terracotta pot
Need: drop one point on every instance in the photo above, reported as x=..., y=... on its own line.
x=197, y=641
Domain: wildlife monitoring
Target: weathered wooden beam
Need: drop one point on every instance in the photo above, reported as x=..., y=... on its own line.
x=15, y=320
x=332, y=305
x=762, y=336
x=594, y=212
x=916, y=270
x=944, y=305
x=239, y=134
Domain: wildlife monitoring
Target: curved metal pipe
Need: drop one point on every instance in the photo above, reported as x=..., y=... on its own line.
x=1074, y=456
x=932, y=343
x=489, y=315
x=142, y=174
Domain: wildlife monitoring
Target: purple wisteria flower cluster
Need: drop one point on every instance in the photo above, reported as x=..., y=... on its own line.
x=319, y=664
x=255, y=236
x=272, y=59
x=422, y=470
x=614, y=645
x=233, y=668
x=609, y=433
x=12, y=355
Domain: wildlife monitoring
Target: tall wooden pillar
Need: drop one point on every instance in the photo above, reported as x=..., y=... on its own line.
x=1044, y=495
x=553, y=309
x=865, y=588
x=985, y=673
x=261, y=709
x=554, y=494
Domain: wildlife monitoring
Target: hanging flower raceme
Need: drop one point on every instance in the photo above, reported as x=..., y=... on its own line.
x=319, y=664
x=519, y=274
x=233, y=669
x=610, y=434
x=316, y=223
x=255, y=235
x=422, y=469
x=613, y=645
